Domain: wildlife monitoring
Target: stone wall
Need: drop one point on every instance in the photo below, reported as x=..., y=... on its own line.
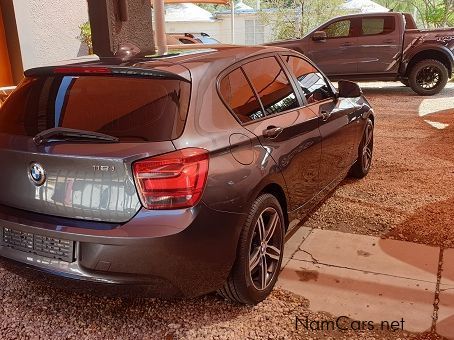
x=110, y=29
x=48, y=30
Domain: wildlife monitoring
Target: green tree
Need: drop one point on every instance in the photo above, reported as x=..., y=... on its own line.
x=430, y=13
x=85, y=36
x=295, y=18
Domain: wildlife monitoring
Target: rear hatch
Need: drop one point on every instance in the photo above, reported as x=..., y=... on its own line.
x=68, y=137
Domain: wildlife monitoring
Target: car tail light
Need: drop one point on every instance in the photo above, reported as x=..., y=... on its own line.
x=82, y=70
x=173, y=180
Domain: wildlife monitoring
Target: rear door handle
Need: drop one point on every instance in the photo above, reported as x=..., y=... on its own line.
x=272, y=132
x=389, y=41
x=325, y=115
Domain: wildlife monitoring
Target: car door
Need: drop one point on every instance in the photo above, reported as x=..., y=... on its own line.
x=380, y=44
x=288, y=132
x=338, y=119
x=337, y=54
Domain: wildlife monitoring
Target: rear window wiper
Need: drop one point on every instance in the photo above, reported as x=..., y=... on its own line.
x=65, y=133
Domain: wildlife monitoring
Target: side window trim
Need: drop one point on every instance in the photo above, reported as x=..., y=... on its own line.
x=295, y=80
x=225, y=73
x=239, y=65
x=254, y=90
x=289, y=77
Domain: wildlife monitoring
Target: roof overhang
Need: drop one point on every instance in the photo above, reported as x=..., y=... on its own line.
x=219, y=2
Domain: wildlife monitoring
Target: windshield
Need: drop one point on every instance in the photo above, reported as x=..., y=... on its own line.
x=132, y=109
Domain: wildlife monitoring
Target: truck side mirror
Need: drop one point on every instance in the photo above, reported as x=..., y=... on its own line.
x=349, y=89
x=319, y=36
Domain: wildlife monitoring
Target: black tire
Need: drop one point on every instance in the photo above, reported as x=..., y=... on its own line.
x=365, y=152
x=250, y=286
x=428, y=77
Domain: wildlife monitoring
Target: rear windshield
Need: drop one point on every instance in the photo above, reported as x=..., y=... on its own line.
x=132, y=109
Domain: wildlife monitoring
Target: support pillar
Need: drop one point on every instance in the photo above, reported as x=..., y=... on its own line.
x=117, y=22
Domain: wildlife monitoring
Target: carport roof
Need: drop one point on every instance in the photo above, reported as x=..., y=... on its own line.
x=220, y=2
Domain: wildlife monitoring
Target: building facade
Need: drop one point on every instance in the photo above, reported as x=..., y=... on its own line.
x=38, y=32
x=189, y=18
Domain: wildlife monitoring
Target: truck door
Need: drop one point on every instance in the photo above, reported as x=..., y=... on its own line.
x=336, y=54
x=380, y=44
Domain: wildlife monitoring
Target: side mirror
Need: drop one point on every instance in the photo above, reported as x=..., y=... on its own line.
x=319, y=36
x=349, y=89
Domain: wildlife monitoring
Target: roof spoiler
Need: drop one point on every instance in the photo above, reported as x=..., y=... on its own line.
x=76, y=69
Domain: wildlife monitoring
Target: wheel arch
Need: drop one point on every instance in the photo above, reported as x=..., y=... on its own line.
x=371, y=116
x=432, y=53
x=277, y=191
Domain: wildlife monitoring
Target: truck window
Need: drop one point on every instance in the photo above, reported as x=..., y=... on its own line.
x=338, y=29
x=312, y=82
x=377, y=25
x=410, y=23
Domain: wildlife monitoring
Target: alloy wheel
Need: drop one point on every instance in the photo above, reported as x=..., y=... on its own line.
x=368, y=146
x=428, y=77
x=266, y=248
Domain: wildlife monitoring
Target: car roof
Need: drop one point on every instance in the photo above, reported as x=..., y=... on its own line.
x=179, y=60
x=206, y=53
x=371, y=14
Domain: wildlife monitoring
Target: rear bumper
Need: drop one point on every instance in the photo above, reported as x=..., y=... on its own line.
x=94, y=284
x=189, y=255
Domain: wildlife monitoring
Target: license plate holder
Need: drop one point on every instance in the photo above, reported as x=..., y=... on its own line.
x=50, y=247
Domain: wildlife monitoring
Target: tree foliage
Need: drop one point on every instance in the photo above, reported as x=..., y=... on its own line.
x=85, y=36
x=430, y=13
x=294, y=18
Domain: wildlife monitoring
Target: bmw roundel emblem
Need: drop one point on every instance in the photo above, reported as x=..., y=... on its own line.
x=37, y=174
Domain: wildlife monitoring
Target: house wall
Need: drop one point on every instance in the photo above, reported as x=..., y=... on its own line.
x=5, y=66
x=219, y=29
x=48, y=30
x=240, y=27
x=212, y=28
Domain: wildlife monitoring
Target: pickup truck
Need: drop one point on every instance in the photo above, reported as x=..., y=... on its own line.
x=380, y=47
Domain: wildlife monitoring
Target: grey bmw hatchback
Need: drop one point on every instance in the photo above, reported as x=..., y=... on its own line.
x=181, y=174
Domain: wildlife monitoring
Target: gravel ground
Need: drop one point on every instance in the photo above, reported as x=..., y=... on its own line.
x=409, y=190
x=32, y=309
x=407, y=195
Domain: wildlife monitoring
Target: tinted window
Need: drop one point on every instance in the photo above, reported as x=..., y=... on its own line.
x=312, y=82
x=377, y=25
x=272, y=85
x=208, y=40
x=239, y=96
x=133, y=109
x=186, y=41
x=338, y=29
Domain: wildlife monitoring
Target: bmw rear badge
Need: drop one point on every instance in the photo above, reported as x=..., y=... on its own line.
x=36, y=174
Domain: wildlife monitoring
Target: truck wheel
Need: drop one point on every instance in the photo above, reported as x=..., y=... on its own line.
x=405, y=82
x=428, y=77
